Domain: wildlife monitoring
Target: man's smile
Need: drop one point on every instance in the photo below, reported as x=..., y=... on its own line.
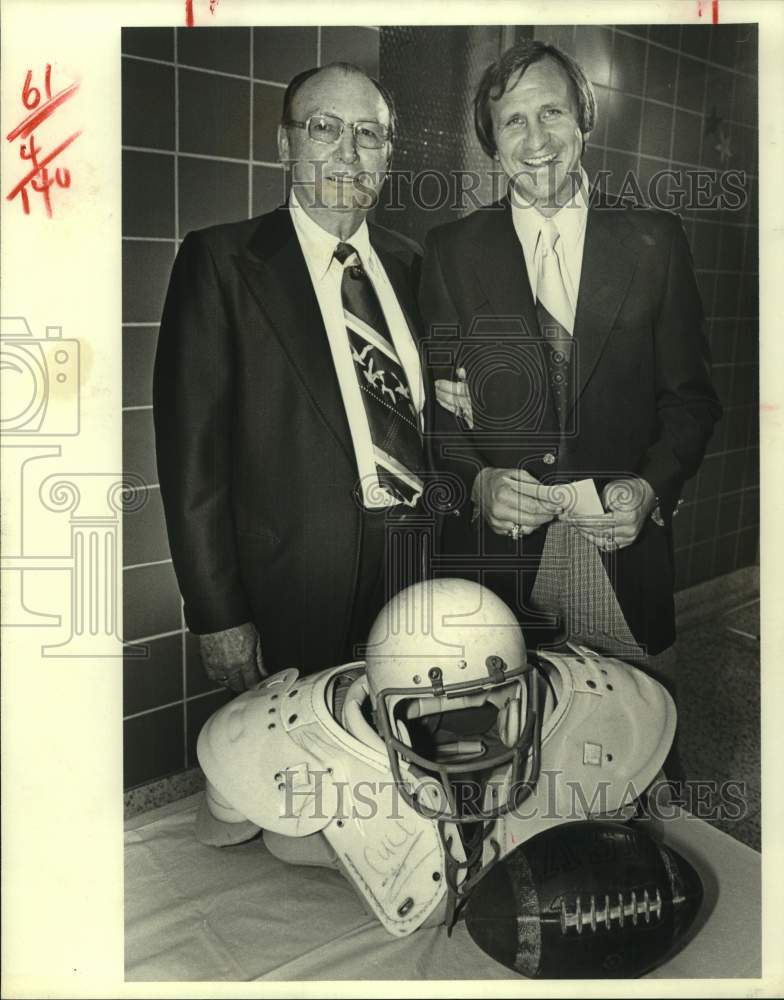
x=540, y=161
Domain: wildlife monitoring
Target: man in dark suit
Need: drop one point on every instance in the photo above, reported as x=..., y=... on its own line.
x=574, y=349
x=288, y=399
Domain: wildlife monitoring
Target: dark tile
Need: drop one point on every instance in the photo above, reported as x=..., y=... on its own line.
x=747, y=348
x=561, y=35
x=656, y=182
x=752, y=216
x=747, y=49
x=704, y=245
x=151, y=602
x=723, y=334
x=628, y=64
x=731, y=248
x=748, y=547
x=593, y=51
x=198, y=710
x=656, y=130
x=691, y=83
x=709, y=481
x=660, y=74
x=701, y=561
x=622, y=172
x=729, y=512
x=153, y=746
x=139, y=445
x=267, y=112
x=721, y=376
x=724, y=556
x=225, y=49
x=725, y=44
x=599, y=134
x=727, y=291
x=715, y=145
x=154, y=43
x=623, y=122
x=155, y=680
x=748, y=307
x=592, y=162
x=744, y=101
x=735, y=463
x=682, y=569
x=744, y=147
x=138, y=358
x=751, y=258
x=745, y=385
x=211, y=191
x=665, y=34
x=750, y=515
x=705, y=513
x=144, y=532
x=719, y=91
x=753, y=428
x=683, y=525
x=750, y=467
x=695, y=39
x=146, y=268
x=716, y=440
x=353, y=45
x=687, y=137
x=280, y=53
x=706, y=283
x=269, y=189
x=147, y=194
x=214, y=114
x=196, y=679
x=640, y=30
x=736, y=420
x=147, y=86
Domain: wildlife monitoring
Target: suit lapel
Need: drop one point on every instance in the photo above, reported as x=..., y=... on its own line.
x=276, y=273
x=499, y=263
x=608, y=268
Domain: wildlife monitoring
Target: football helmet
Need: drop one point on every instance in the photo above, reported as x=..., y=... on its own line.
x=451, y=651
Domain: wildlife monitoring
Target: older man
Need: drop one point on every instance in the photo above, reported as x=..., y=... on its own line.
x=288, y=399
x=578, y=354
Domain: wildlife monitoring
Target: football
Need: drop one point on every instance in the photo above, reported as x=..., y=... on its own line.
x=585, y=900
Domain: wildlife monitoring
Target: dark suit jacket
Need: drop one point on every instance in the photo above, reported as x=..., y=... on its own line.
x=644, y=403
x=256, y=465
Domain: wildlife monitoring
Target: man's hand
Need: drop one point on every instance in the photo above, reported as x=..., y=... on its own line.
x=455, y=397
x=511, y=500
x=233, y=657
x=628, y=503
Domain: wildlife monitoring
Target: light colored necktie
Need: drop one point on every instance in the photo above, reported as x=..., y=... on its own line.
x=550, y=283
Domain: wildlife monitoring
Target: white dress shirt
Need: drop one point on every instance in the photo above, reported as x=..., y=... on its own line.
x=326, y=275
x=570, y=220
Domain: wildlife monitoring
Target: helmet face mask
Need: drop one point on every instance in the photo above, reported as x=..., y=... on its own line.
x=464, y=659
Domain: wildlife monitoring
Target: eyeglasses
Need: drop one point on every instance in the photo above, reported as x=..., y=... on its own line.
x=329, y=128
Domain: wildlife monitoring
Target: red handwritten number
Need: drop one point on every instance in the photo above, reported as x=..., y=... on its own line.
x=39, y=177
x=31, y=96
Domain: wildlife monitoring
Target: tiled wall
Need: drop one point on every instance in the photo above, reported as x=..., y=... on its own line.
x=207, y=154
x=661, y=91
x=199, y=118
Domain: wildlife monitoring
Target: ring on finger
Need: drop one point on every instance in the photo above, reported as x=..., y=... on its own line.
x=515, y=530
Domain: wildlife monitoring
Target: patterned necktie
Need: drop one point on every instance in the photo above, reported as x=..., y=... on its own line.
x=391, y=414
x=572, y=583
x=556, y=318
